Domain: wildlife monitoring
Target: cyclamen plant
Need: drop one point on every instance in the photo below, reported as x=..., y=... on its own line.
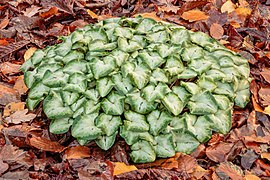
x=163, y=88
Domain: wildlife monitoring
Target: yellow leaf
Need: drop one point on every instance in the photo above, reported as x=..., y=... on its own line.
x=235, y=24
x=92, y=14
x=121, y=168
x=12, y=107
x=194, y=15
x=242, y=11
x=251, y=177
x=151, y=15
x=267, y=110
x=228, y=7
x=29, y=53
x=266, y=156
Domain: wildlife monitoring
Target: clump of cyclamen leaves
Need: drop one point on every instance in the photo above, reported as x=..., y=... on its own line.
x=163, y=88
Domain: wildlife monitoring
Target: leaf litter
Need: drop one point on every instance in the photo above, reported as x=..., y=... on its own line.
x=25, y=142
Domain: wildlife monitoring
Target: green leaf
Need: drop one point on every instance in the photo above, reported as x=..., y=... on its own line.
x=91, y=106
x=96, y=34
x=106, y=142
x=54, y=108
x=164, y=147
x=76, y=83
x=120, y=57
x=26, y=66
x=60, y=126
x=191, y=87
x=172, y=102
x=242, y=98
x=222, y=121
x=184, y=141
x=102, y=68
x=73, y=55
x=203, y=103
x=179, y=36
x=158, y=37
x=29, y=78
x=108, y=124
x=187, y=74
x=174, y=66
x=122, y=85
x=113, y=104
x=32, y=103
x=151, y=92
x=128, y=46
x=131, y=137
x=123, y=32
x=63, y=48
x=158, y=121
x=69, y=97
x=104, y=86
x=99, y=45
x=224, y=89
x=152, y=59
x=145, y=26
x=84, y=127
x=37, y=57
x=200, y=65
x=158, y=75
x=38, y=90
x=92, y=94
x=75, y=66
x=166, y=50
x=55, y=79
x=43, y=68
x=139, y=104
x=191, y=53
x=140, y=76
x=182, y=93
x=135, y=122
x=206, y=83
x=142, y=152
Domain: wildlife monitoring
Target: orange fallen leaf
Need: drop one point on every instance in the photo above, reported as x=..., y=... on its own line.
x=12, y=107
x=92, y=14
x=243, y=3
x=20, y=85
x=243, y=11
x=194, y=15
x=20, y=116
x=267, y=110
x=3, y=42
x=52, y=11
x=265, y=156
x=235, y=24
x=151, y=15
x=199, y=172
x=77, y=152
x=121, y=168
x=29, y=53
x=256, y=106
x=8, y=68
x=228, y=6
x=251, y=177
x=216, y=31
x=45, y=144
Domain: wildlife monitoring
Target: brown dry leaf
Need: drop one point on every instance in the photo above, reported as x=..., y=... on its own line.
x=228, y=6
x=256, y=106
x=264, y=94
x=3, y=167
x=45, y=144
x=51, y=12
x=121, y=168
x=12, y=107
x=266, y=156
x=92, y=14
x=19, y=117
x=29, y=53
x=258, y=139
x=8, y=68
x=219, y=152
x=20, y=85
x=199, y=172
x=77, y=152
x=266, y=74
x=216, y=31
x=151, y=15
x=187, y=163
x=8, y=95
x=4, y=23
x=31, y=11
x=243, y=11
x=251, y=177
x=194, y=15
x=228, y=169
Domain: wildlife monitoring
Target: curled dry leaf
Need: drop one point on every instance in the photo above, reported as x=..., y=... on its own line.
x=266, y=74
x=216, y=31
x=121, y=168
x=45, y=144
x=12, y=107
x=92, y=14
x=77, y=152
x=4, y=23
x=228, y=6
x=218, y=152
x=19, y=117
x=265, y=156
x=29, y=53
x=194, y=15
x=20, y=86
x=51, y=12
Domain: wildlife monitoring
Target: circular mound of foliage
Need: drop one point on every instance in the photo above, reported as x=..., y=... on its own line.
x=163, y=88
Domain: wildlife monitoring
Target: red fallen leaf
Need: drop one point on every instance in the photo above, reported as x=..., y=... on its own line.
x=12, y=154
x=228, y=169
x=77, y=152
x=8, y=68
x=19, y=117
x=263, y=165
x=45, y=144
x=219, y=152
x=3, y=42
x=191, y=5
x=8, y=95
x=194, y=15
